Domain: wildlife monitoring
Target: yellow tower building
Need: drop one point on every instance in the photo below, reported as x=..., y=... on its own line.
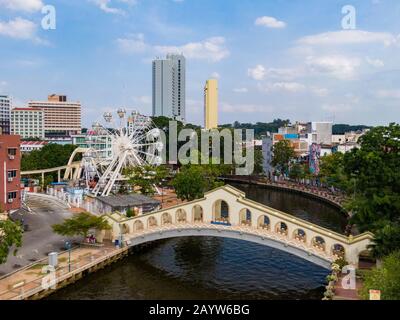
x=211, y=104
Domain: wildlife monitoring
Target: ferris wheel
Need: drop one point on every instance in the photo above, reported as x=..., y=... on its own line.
x=122, y=141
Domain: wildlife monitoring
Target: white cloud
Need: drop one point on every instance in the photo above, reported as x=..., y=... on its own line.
x=241, y=90
x=215, y=75
x=292, y=87
x=212, y=49
x=375, y=62
x=244, y=108
x=257, y=73
x=22, y=5
x=340, y=67
x=19, y=28
x=336, y=108
x=320, y=92
x=391, y=94
x=345, y=37
x=105, y=5
x=269, y=22
x=143, y=99
x=132, y=44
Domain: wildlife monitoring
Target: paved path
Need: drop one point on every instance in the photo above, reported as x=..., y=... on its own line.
x=39, y=240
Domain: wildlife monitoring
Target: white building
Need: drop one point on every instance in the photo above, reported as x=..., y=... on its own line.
x=169, y=87
x=27, y=122
x=5, y=114
x=321, y=132
x=96, y=140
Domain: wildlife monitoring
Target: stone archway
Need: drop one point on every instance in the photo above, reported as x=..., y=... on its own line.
x=338, y=251
x=263, y=222
x=166, y=218
x=152, y=222
x=282, y=228
x=245, y=217
x=300, y=235
x=180, y=216
x=125, y=229
x=319, y=243
x=138, y=226
x=221, y=211
x=197, y=214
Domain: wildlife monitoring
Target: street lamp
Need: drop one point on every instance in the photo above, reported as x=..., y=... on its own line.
x=68, y=246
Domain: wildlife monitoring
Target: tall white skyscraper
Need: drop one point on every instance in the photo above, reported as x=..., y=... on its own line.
x=5, y=114
x=169, y=87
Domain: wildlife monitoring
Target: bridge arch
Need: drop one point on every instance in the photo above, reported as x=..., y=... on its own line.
x=181, y=216
x=197, y=214
x=158, y=234
x=245, y=216
x=263, y=222
x=221, y=211
x=166, y=218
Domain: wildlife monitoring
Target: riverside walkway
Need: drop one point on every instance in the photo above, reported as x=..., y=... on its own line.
x=33, y=282
x=335, y=198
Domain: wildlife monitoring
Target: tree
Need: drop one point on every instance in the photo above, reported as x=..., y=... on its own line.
x=194, y=180
x=386, y=278
x=283, y=153
x=10, y=235
x=80, y=225
x=386, y=239
x=375, y=170
x=189, y=183
x=332, y=171
x=258, y=161
x=296, y=171
x=146, y=177
x=50, y=156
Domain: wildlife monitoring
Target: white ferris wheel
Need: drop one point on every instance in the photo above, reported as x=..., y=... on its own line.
x=121, y=141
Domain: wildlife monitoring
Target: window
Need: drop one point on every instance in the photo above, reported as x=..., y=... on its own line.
x=12, y=173
x=12, y=195
x=12, y=151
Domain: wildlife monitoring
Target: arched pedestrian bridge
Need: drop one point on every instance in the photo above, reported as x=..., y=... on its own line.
x=226, y=212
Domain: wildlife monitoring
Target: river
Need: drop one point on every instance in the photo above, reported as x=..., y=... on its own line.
x=216, y=268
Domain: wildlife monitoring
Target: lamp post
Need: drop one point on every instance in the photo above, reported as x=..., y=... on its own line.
x=68, y=246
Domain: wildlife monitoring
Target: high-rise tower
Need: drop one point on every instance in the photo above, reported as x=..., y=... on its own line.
x=211, y=104
x=169, y=87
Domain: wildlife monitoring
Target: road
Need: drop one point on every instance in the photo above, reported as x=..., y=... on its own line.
x=39, y=239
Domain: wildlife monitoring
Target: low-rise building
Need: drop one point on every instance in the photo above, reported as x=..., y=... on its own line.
x=137, y=203
x=10, y=176
x=29, y=146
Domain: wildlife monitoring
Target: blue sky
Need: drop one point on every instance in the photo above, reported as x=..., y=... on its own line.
x=283, y=58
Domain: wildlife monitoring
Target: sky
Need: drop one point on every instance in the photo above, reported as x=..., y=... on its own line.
x=304, y=60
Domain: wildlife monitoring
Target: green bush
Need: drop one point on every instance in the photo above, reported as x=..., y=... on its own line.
x=386, y=278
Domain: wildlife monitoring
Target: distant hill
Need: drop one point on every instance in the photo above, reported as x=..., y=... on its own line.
x=343, y=128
